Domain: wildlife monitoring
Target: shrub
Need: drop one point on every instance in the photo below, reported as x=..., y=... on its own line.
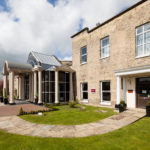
x=77, y=101
x=122, y=103
x=21, y=112
x=148, y=104
x=72, y=104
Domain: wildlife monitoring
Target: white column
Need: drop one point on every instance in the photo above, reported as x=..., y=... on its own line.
x=40, y=87
x=35, y=84
x=118, y=89
x=32, y=95
x=124, y=89
x=4, y=85
x=20, y=88
x=30, y=86
x=56, y=87
x=11, y=87
x=71, y=88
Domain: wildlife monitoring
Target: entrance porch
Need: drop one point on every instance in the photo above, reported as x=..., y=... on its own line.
x=133, y=86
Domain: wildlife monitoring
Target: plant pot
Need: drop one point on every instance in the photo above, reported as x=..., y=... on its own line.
x=36, y=100
x=5, y=100
x=1, y=99
x=121, y=109
x=117, y=106
x=148, y=111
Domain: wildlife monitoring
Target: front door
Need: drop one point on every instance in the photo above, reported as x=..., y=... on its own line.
x=143, y=91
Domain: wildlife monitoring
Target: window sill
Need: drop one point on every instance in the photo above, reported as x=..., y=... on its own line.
x=104, y=57
x=85, y=101
x=83, y=63
x=142, y=56
x=105, y=103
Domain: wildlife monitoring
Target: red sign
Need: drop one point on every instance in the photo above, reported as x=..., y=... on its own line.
x=130, y=91
x=93, y=90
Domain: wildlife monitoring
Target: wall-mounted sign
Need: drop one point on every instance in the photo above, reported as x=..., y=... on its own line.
x=130, y=91
x=93, y=90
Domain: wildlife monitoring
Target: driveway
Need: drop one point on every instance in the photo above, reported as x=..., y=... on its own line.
x=10, y=110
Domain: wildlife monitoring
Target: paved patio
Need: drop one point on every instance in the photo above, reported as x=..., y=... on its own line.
x=14, y=124
x=10, y=110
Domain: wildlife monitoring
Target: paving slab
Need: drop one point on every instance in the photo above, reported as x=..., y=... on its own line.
x=14, y=124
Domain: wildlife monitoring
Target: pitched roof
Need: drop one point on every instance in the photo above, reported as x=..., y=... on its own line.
x=46, y=59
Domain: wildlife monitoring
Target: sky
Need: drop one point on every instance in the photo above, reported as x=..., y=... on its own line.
x=46, y=25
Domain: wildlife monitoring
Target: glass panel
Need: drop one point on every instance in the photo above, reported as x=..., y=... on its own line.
x=84, y=58
x=103, y=53
x=62, y=76
x=84, y=87
x=139, y=50
x=43, y=75
x=147, y=27
x=106, y=96
x=147, y=37
x=106, y=86
x=52, y=76
x=52, y=86
x=105, y=42
x=147, y=49
x=47, y=97
x=67, y=97
x=83, y=50
x=139, y=30
x=52, y=97
x=139, y=39
x=62, y=87
x=46, y=75
x=62, y=97
x=67, y=86
x=85, y=95
x=144, y=79
x=46, y=86
x=67, y=77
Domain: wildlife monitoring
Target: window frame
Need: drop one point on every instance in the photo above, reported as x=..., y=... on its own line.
x=81, y=55
x=104, y=102
x=82, y=91
x=101, y=47
x=143, y=42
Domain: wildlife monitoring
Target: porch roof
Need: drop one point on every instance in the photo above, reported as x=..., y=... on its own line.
x=15, y=65
x=133, y=70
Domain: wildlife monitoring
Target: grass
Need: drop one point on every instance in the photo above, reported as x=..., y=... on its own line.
x=132, y=137
x=71, y=116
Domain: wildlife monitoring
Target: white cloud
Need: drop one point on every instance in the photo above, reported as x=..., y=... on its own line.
x=44, y=28
x=67, y=58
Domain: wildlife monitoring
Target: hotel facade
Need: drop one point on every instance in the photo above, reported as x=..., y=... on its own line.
x=110, y=63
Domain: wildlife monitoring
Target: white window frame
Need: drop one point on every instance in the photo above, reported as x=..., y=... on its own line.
x=81, y=62
x=107, y=46
x=103, y=102
x=84, y=100
x=143, y=43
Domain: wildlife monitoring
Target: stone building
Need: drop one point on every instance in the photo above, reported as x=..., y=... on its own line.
x=112, y=60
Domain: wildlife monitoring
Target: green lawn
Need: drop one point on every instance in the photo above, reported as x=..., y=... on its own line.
x=132, y=137
x=71, y=116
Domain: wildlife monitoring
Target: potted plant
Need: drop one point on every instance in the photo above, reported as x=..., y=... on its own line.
x=5, y=97
x=36, y=98
x=122, y=106
x=1, y=96
x=148, y=109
